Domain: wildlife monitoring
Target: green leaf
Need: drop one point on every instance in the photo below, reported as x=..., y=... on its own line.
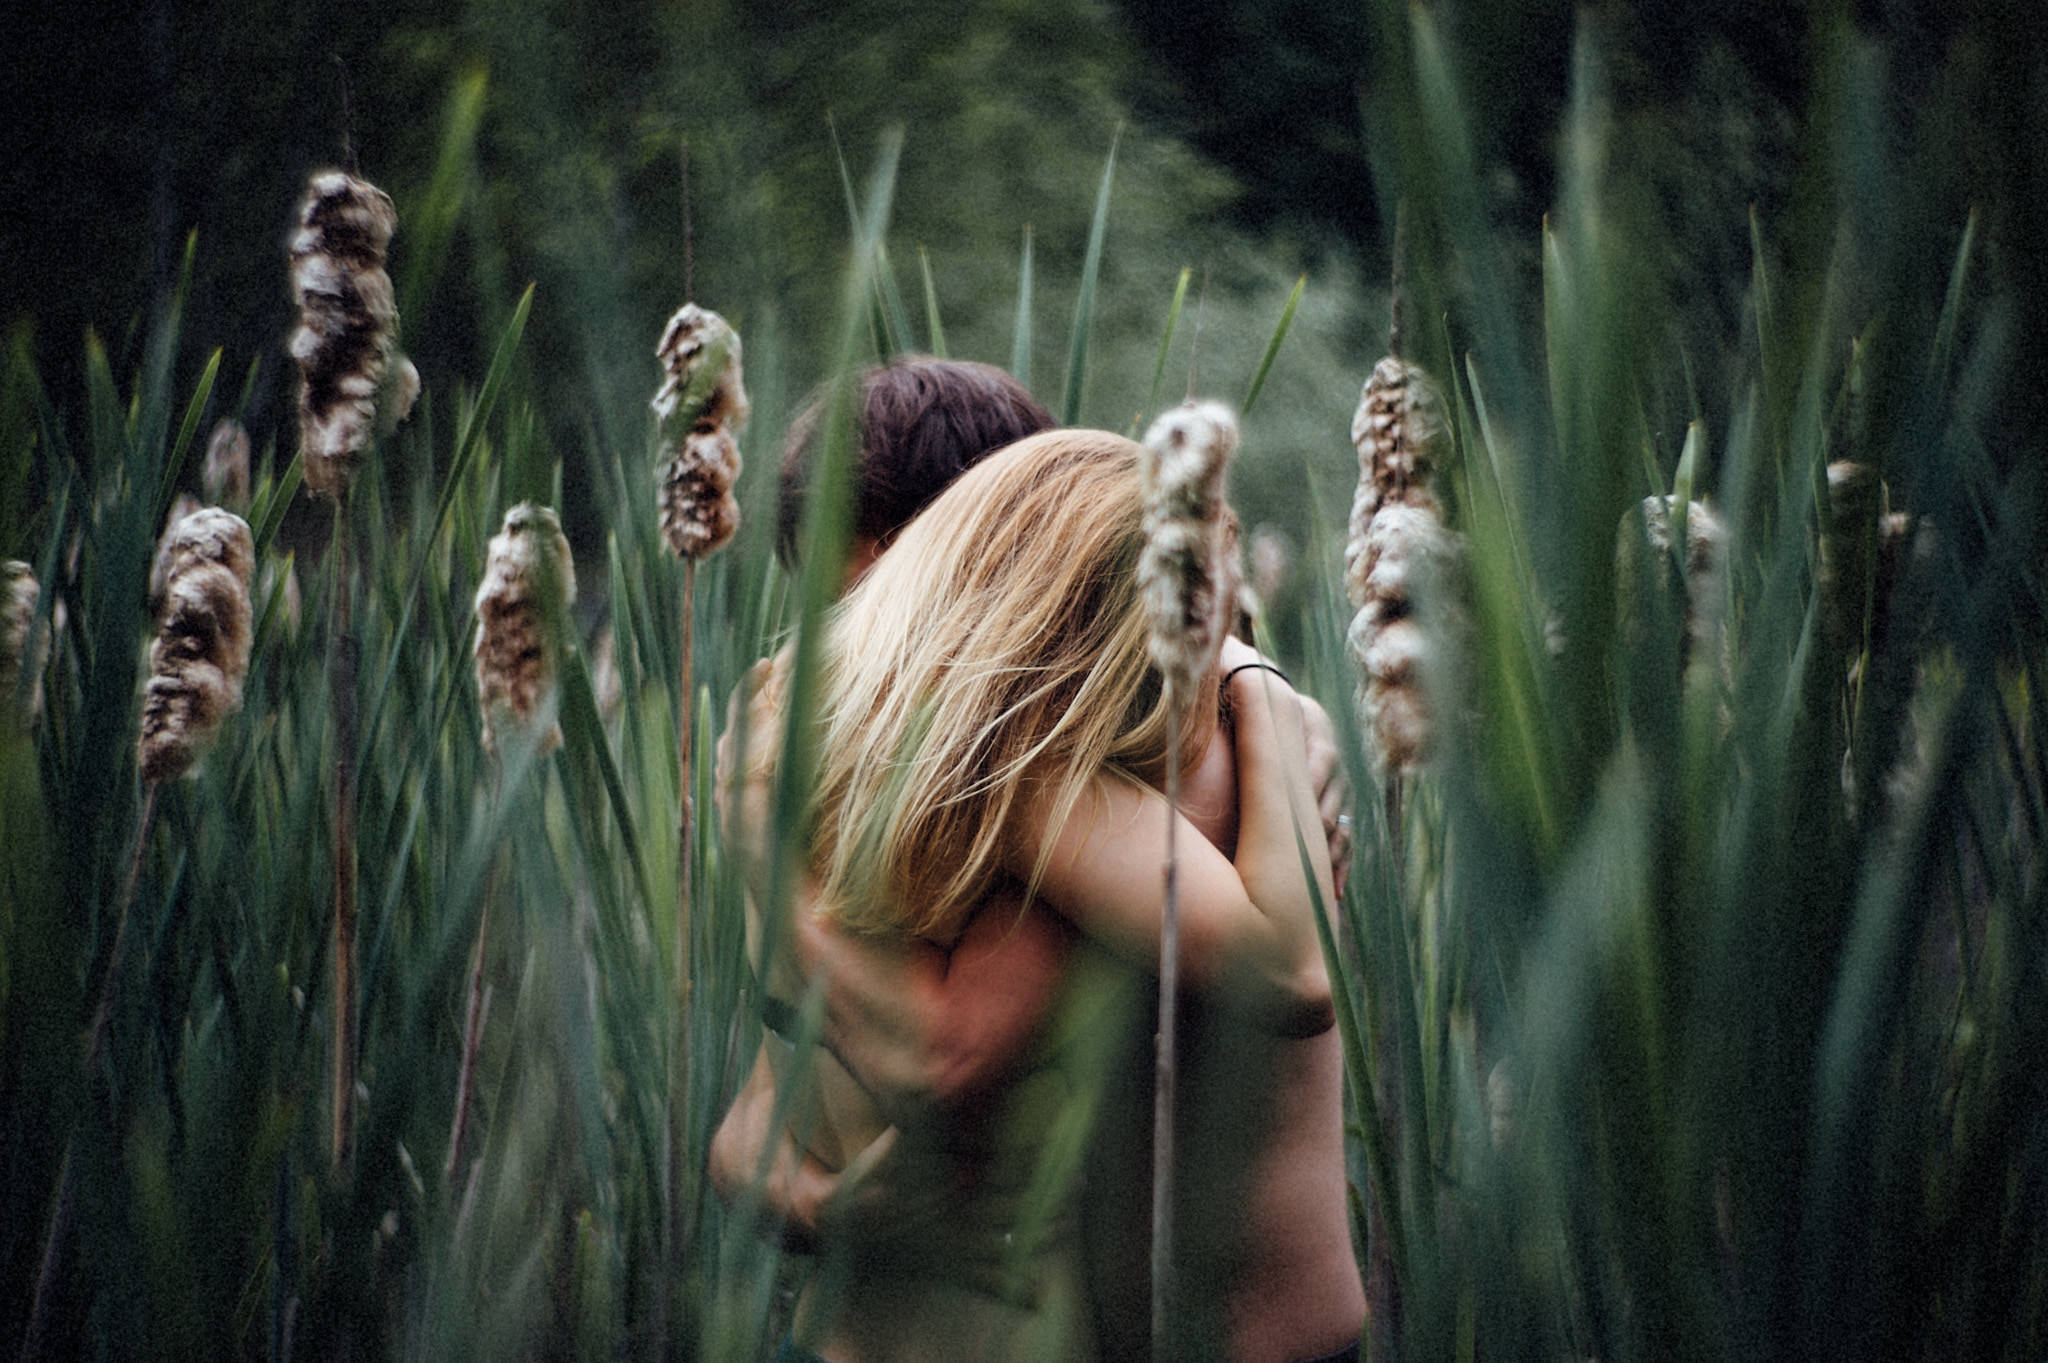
x=1084, y=303
x=1942, y=354
x=174, y=462
x=1180, y=295
x=1273, y=346
x=430, y=224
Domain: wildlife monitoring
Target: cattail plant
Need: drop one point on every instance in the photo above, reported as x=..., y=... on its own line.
x=344, y=346
x=1182, y=577
x=201, y=653
x=1649, y=526
x=21, y=687
x=529, y=583
x=1396, y=560
x=197, y=663
x=699, y=408
x=528, y=586
x=348, y=325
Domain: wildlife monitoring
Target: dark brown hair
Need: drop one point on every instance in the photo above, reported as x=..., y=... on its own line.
x=921, y=423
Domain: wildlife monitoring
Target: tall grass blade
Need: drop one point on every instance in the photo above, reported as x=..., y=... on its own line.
x=469, y=433
x=1020, y=335
x=431, y=219
x=1084, y=303
x=895, y=316
x=181, y=446
x=1273, y=346
x=1180, y=295
x=1941, y=357
x=933, y=326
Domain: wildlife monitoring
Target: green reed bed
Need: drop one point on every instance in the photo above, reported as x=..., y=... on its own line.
x=1690, y=990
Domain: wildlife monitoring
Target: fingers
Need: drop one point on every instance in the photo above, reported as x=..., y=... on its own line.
x=1338, y=830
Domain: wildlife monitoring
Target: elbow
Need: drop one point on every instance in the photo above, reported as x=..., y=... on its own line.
x=960, y=1075
x=1307, y=1006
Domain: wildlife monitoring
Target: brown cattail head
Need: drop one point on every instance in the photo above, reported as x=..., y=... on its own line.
x=1405, y=566
x=1181, y=570
x=698, y=511
x=529, y=584
x=694, y=341
x=20, y=699
x=348, y=321
x=201, y=651
x=1399, y=563
x=1399, y=430
x=701, y=405
x=224, y=476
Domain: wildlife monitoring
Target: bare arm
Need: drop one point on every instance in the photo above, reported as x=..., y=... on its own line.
x=920, y=1026
x=1246, y=922
x=796, y=1187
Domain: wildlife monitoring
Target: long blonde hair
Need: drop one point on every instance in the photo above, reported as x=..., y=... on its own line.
x=996, y=653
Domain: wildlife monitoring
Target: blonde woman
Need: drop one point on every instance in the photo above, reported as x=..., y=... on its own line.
x=988, y=717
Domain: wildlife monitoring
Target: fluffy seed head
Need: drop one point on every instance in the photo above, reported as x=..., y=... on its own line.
x=1406, y=567
x=19, y=593
x=701, y=405
x=1399, y=430
x=698, y=511
x=348, y=321
x=200, y=655
x=689, y=342
x=529, y=584
x=1181, y=571
x=195, y=533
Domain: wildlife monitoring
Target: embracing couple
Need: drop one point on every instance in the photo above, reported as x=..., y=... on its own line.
x=969, y=1149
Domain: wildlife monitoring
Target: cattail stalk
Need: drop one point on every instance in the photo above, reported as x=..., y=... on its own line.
x=1397, y=558
x=350, y=378
x=700, y=408
x=342, y=659
x=1180, y=574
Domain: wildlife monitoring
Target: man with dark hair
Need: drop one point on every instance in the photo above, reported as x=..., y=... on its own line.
x=919, y=424
x=1264, y=1255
